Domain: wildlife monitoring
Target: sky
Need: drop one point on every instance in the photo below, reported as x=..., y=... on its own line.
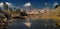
x=33, y=3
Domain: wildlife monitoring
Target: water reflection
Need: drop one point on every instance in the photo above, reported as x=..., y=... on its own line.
x=35, y=24
x=17, y=24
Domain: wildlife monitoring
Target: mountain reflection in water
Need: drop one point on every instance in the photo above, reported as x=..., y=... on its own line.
x=35, y=24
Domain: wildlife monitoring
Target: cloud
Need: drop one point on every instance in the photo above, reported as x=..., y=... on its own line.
x=9, y=4
x=55, y=3
x=46, y=3
x=27, y=4
x=1, y=4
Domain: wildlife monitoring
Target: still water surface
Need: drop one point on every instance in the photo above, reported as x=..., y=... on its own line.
x=35, y=24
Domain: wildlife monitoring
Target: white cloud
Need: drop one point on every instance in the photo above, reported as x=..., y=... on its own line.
x=46, y=3
x=9, y=4
x=1, y=4
x=27, y=4
x=55, y=3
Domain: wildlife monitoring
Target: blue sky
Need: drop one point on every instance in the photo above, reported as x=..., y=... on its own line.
x=34, y=3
